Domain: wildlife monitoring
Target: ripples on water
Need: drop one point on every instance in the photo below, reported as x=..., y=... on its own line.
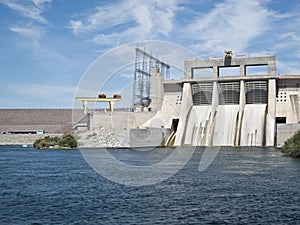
x=242, y=186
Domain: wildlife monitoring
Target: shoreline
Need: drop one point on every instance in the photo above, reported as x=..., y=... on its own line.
x=22, y=139
x=237, y=148
x=100, y=138
x=94, y=139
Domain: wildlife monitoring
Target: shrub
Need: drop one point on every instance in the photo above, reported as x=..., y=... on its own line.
x=42, y=143
x=291, y=146
x=37, y=142
x=66, y=141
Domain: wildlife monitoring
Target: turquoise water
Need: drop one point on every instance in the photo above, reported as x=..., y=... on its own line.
x=241, y=186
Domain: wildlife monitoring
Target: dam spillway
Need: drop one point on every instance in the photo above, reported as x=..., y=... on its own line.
x=225, y=130
x=232, y=123
x=196, y=128
x=230, y=110
x=225, y=126
x=253, y=125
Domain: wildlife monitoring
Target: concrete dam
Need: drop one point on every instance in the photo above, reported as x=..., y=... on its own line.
x=221, y=115
x=217, y=108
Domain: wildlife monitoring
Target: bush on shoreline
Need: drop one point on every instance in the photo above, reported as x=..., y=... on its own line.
x=291, y=146
x=68, y=141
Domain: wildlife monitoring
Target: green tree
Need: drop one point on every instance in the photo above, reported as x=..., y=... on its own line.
x=291, y=146
x=68, y=140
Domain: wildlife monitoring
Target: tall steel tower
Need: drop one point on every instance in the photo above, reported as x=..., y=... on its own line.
x=142, y=74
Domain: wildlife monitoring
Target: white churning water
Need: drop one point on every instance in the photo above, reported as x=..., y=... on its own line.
x=225, y=130
x=197, y=126
x=253, y=125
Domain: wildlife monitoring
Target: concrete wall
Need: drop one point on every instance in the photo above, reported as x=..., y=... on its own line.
x=118, y=120
x=287, y=107
x=285, y=131
x=270, y=119
x=157, y=90
x=185, y=108
x=149, y=137
x=170, y=108
x=288, y=99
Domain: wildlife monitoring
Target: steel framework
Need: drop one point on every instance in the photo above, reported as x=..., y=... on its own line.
x=144, y=62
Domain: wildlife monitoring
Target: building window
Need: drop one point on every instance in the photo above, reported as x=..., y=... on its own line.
x=280, y=119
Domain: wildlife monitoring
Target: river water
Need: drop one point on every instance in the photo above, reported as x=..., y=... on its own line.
x=241, y=186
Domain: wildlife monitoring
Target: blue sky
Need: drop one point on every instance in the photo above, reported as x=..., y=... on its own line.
x=47, y=45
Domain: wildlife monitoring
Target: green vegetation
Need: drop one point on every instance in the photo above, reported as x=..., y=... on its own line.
x=68, y=141
x=291, y=146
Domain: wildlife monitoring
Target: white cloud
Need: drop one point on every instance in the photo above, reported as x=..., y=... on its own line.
x=103, y=18
x=285, y=42
x=41, y=3
x=32, y=28
x=34, y=33
x=290, y=36
x=127, y=21
x=232, y=24
x=76, y=26
x=32, y=10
